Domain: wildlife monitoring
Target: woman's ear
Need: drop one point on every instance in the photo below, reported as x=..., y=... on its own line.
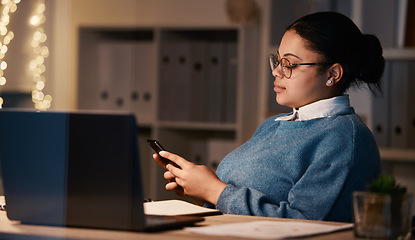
x=335, y=74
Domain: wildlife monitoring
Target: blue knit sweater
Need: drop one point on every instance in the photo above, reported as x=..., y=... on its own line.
x=300, y=169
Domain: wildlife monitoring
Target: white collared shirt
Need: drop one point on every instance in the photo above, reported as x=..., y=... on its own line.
x=319, y=109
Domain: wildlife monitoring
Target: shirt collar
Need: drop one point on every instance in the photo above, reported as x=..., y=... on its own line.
x=319, y=109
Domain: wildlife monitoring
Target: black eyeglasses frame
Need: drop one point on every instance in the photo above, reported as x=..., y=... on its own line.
x=274, y=63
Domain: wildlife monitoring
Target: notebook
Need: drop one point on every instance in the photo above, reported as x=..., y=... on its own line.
x=77, y=169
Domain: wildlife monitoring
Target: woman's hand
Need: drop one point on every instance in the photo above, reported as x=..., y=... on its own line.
x=171, y=186
x=196, y=181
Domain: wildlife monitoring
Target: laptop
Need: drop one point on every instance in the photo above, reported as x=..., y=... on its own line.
x=78, y=169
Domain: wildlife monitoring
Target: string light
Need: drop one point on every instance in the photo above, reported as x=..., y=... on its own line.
x=41, y=52
x=6, y=36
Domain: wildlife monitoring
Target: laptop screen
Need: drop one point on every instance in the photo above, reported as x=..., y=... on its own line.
x=71, y=169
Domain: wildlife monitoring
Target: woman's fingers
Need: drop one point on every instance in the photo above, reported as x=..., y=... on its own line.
x=175, y=158
x=159, y=161
x=169, y=176
x=173, y=186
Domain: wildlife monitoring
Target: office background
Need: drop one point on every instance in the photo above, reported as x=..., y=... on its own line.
x=196, y=72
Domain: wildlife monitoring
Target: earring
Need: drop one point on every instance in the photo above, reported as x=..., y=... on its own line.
x=329, y=81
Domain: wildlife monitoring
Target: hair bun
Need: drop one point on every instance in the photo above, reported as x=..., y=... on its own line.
x=372, y=60
x=337, y=39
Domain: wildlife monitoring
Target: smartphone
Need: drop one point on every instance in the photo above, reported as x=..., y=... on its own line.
x=156, y=146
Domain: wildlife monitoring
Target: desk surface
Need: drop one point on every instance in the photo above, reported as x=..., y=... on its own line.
x=15, y=230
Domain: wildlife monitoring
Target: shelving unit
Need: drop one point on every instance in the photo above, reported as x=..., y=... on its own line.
x=392, y=116
x=155, y=73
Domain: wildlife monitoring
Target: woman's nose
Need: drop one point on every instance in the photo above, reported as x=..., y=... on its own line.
x=277, y=72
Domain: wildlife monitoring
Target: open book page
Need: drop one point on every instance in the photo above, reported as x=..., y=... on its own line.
x=176, y=208
x=269, y=229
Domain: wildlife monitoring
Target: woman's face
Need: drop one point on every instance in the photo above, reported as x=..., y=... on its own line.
x=306, y=84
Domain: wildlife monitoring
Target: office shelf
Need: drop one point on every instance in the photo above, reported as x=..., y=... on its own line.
x=190, y=88
x=397, y=155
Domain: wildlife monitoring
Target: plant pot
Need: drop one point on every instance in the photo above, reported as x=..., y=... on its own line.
x=382, y=216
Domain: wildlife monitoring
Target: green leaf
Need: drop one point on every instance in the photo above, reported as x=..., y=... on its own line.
x=386, y=185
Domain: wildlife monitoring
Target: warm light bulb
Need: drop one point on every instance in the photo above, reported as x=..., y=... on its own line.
x=41, y=68
x=3, y=30
x=44, y=51
x=6, y=10
x=34, y=20
x=40, y=85
x=5, y=19
x=3, y=65
x=2, y=81
x=43, y=38
x=13, y=8
x=40, y=60
x=3, y=49
x=6, y=40
x=10, y=34
x=40, y=96
x=37, y=35
x=48, y=98
x=32, y=65
x=41, y=7
x=34, y=44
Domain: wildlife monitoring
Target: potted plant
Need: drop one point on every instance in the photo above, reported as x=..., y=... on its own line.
x=383, y=210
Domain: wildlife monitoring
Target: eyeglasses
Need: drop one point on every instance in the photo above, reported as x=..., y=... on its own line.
x=286, y=66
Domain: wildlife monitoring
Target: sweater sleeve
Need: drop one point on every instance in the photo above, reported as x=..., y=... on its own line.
x=313, y=195
x=310, y=198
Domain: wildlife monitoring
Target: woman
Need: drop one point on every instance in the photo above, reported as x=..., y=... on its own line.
x=307, y=163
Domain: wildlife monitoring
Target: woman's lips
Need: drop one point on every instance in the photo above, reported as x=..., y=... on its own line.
x=278, y=88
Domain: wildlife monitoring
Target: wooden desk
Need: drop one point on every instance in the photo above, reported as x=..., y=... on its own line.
x=15, y=230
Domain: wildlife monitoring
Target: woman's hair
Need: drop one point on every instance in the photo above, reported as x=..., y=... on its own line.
x=338, y=40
